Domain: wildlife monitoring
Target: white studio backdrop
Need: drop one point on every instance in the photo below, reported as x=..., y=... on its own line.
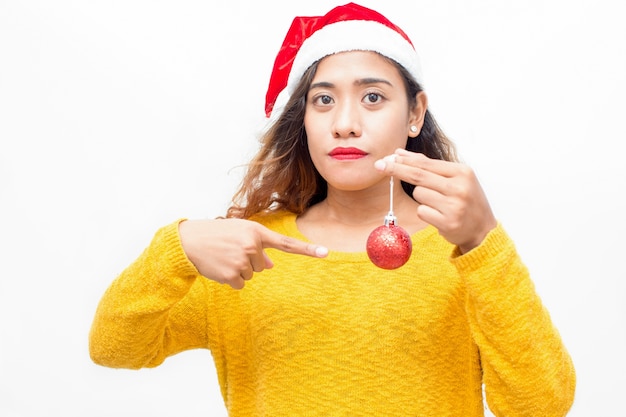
x=117, y=117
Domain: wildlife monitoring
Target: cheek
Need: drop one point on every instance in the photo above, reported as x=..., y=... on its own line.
x=312, y=125
x=315, y=151
x=392, y=134
x=393, y=120
x=401, y=132
x=314, y=136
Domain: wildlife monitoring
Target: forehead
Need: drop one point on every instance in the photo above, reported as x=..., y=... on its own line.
x=356, y=65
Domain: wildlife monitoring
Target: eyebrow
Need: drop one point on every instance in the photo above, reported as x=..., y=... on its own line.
x=367, y=81
x=359, y=82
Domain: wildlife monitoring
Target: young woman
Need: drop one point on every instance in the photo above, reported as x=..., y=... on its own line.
x=307, y=324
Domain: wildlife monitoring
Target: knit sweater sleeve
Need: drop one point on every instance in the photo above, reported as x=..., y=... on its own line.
x=526, y=369
x=155, y=308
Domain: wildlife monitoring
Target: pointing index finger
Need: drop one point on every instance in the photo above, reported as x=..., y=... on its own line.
x=274, y=240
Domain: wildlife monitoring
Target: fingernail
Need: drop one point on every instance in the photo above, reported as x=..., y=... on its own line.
x=321, y=251
x=380, y=165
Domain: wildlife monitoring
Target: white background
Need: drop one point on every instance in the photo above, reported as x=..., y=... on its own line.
x=118, y=117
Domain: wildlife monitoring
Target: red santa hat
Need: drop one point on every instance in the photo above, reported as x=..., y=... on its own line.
x=345, y=28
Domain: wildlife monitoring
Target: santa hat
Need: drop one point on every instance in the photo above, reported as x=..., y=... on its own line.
x=345, y=28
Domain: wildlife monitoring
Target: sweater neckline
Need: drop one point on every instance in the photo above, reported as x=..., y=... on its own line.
x=291, y=227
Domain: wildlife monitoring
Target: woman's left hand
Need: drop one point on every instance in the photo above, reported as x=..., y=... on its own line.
x=450, y=196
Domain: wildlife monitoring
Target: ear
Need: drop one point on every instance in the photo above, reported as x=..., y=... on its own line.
x=417, y=114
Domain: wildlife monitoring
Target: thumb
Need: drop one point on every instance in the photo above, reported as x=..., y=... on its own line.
x=268, y=262
x=274, y=240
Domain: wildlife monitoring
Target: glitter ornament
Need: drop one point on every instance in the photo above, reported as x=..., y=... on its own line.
x=389, y=246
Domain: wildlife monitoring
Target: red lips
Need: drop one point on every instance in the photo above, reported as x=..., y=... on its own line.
x=347, y=153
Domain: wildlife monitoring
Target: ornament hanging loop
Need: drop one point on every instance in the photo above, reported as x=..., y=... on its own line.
x=390, y=218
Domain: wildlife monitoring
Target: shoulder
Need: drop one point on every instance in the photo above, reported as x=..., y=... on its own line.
x=283, y=222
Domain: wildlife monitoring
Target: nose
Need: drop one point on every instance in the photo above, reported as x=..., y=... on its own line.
x=347, y=122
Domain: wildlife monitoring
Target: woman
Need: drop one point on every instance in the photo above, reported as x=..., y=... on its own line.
x=329, y=333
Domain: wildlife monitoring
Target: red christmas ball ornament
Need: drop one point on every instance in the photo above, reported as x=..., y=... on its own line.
x=389, y=246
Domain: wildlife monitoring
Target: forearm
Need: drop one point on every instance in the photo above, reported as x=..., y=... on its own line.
x=527, y=370
x=136, y=321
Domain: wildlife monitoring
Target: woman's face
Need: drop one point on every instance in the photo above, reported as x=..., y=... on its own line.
x=356, y=113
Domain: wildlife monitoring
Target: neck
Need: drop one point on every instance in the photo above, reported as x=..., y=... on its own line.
x=344, y=220
x=365, y=206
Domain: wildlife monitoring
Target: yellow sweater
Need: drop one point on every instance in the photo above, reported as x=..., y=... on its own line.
x=340, y=337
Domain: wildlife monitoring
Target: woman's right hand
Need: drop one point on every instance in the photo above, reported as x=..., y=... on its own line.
x=229, y=251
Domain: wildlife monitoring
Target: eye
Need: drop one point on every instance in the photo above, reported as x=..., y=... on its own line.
x=323, y=100
x=372, y=98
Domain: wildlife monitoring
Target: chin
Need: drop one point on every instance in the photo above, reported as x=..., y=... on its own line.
x=353, y=178
x=356, y=185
